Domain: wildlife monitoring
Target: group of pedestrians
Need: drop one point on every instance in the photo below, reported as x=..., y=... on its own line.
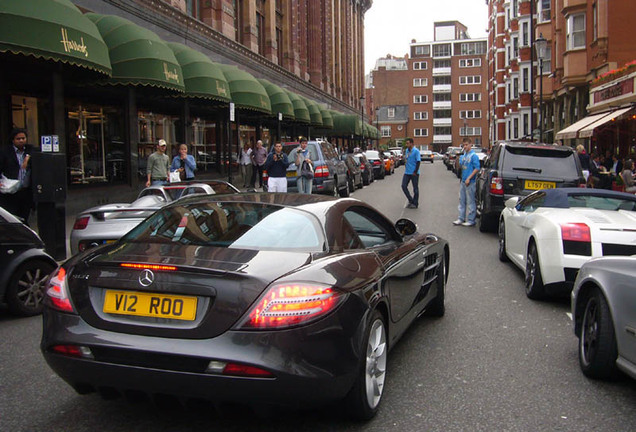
x=601, y=173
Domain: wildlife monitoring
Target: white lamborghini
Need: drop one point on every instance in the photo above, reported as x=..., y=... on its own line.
x=552, y=232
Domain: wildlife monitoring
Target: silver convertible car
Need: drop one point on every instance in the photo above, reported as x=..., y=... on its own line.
x=107, y=223
x=604, y=314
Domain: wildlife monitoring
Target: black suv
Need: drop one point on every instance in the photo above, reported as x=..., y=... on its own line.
x=518, y=169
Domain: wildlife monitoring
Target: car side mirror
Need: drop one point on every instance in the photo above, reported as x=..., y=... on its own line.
x=512, y=202
x=405, y=227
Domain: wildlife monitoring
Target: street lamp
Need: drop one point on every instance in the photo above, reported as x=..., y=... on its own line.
x=541, y=44
x=362, y=120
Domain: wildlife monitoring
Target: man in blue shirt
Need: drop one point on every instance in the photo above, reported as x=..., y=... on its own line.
x=411, y=173
x=470, y=168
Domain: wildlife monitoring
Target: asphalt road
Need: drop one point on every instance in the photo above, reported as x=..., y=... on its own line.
x=496, y=361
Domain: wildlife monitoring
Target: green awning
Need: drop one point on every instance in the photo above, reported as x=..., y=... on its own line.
x=327, y=119
x=247, y=93
x=314, y=112
x=202, y=77
x=53, y=30
x=300, y=108
x=347, y=124
x=138, y=56
x=279, y=99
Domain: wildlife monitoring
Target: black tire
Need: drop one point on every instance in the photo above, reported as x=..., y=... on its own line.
x=361, y=184
x=363, y=400
x=502, y=242
x=533, y=281
x=350, y=184
x=448, y=167
x=25, y=292
x=597, y=341
x=437, y=308
x=367, y=181
x=344, y=191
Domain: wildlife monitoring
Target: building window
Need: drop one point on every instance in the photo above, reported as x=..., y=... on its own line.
x=386, y=131
x=469, y=97
x=547, y=63
x=193, y=8
x=238, y=20
x=442, y=97
x=420, y=115
x=595, y=18
x=515, y=88
x=390, y=112
x=526, y=122
x=525, y=80
x=576, y=31
x=442, y=114
x=515, y=8
x=420, y=99
x=420, y=132
x=441, y=80
x=420, y=82
x=470, y=114
x=515, y=47
x=279, y=32
x=469, y=48
x=469, y=131
x=420, y=65
x=466, y=63
x=515, y=128
x=442, y=130
x=544, y=11
x=525, y=34
x=442, y=50
x=470, y=79
x=422, y=50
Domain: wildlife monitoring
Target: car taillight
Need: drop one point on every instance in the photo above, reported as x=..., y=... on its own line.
x=576, y=232
x=237, y=369
x=73, y=351
x=321, y=171
x=81, y=223
x=148, y=266
x=577, y=239
x=361, y=167
x=57, y=292
x=285, y=305
x=376, y=162
x=496, y=186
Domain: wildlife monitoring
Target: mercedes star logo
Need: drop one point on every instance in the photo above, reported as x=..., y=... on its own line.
x=146, y=278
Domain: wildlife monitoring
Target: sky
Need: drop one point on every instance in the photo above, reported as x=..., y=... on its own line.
x=390, y=25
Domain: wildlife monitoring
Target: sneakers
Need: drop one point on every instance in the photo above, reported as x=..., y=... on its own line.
x=458, y=222
x=468, y=224
x=411, y=206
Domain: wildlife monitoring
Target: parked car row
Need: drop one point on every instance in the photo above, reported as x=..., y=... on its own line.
x=567, y=239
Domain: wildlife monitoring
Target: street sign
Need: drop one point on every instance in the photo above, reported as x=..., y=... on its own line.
x=50, y=143
x=231, y=111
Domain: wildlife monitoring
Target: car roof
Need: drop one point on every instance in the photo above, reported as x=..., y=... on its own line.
x=532, y=144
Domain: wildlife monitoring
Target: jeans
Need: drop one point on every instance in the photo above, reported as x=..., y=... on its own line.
x=158, y=183
x=414, y=178
x=246, y=173
x=304, y=185
x=467, y=197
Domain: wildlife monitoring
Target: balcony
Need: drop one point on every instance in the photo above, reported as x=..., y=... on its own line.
x=442, y=88
x=442, y=139
x=442, y=105
x=442, y=121
x=441, y=71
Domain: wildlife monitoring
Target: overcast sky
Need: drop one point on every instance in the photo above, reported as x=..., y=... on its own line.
x=390, y=25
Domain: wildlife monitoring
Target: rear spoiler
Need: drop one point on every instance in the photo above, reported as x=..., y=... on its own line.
x=101, y=214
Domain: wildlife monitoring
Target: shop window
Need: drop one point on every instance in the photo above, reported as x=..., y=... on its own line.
x=152, y=128
x=96, y=151
x=203, y=148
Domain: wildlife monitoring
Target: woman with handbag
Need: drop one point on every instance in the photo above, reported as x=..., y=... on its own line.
x=184, y=164
x=304, y=169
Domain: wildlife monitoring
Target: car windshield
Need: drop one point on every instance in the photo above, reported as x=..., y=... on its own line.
x=232, y=225
x=372, y=154
x=545, y=161
x=601, y=202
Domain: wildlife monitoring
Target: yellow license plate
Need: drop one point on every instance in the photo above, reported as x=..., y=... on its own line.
x=291, y=173
x=150, y=305
x=536, y=185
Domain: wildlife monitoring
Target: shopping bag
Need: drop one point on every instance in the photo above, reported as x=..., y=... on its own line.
x=9, y=186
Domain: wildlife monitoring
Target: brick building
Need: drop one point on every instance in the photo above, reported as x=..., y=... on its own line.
x=582, y=89
x=443, y=82
x=311, y=51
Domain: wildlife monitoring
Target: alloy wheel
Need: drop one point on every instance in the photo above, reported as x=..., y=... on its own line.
x=376, y=363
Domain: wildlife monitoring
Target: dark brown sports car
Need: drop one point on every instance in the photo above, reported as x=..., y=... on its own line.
x=260, y=298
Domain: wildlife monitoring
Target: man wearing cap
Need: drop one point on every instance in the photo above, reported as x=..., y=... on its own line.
x=158, y=166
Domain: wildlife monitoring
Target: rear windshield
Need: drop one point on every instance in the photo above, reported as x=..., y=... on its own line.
x=372, y=154
x=291, y=151
x=547, y=162
x=232, y=225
